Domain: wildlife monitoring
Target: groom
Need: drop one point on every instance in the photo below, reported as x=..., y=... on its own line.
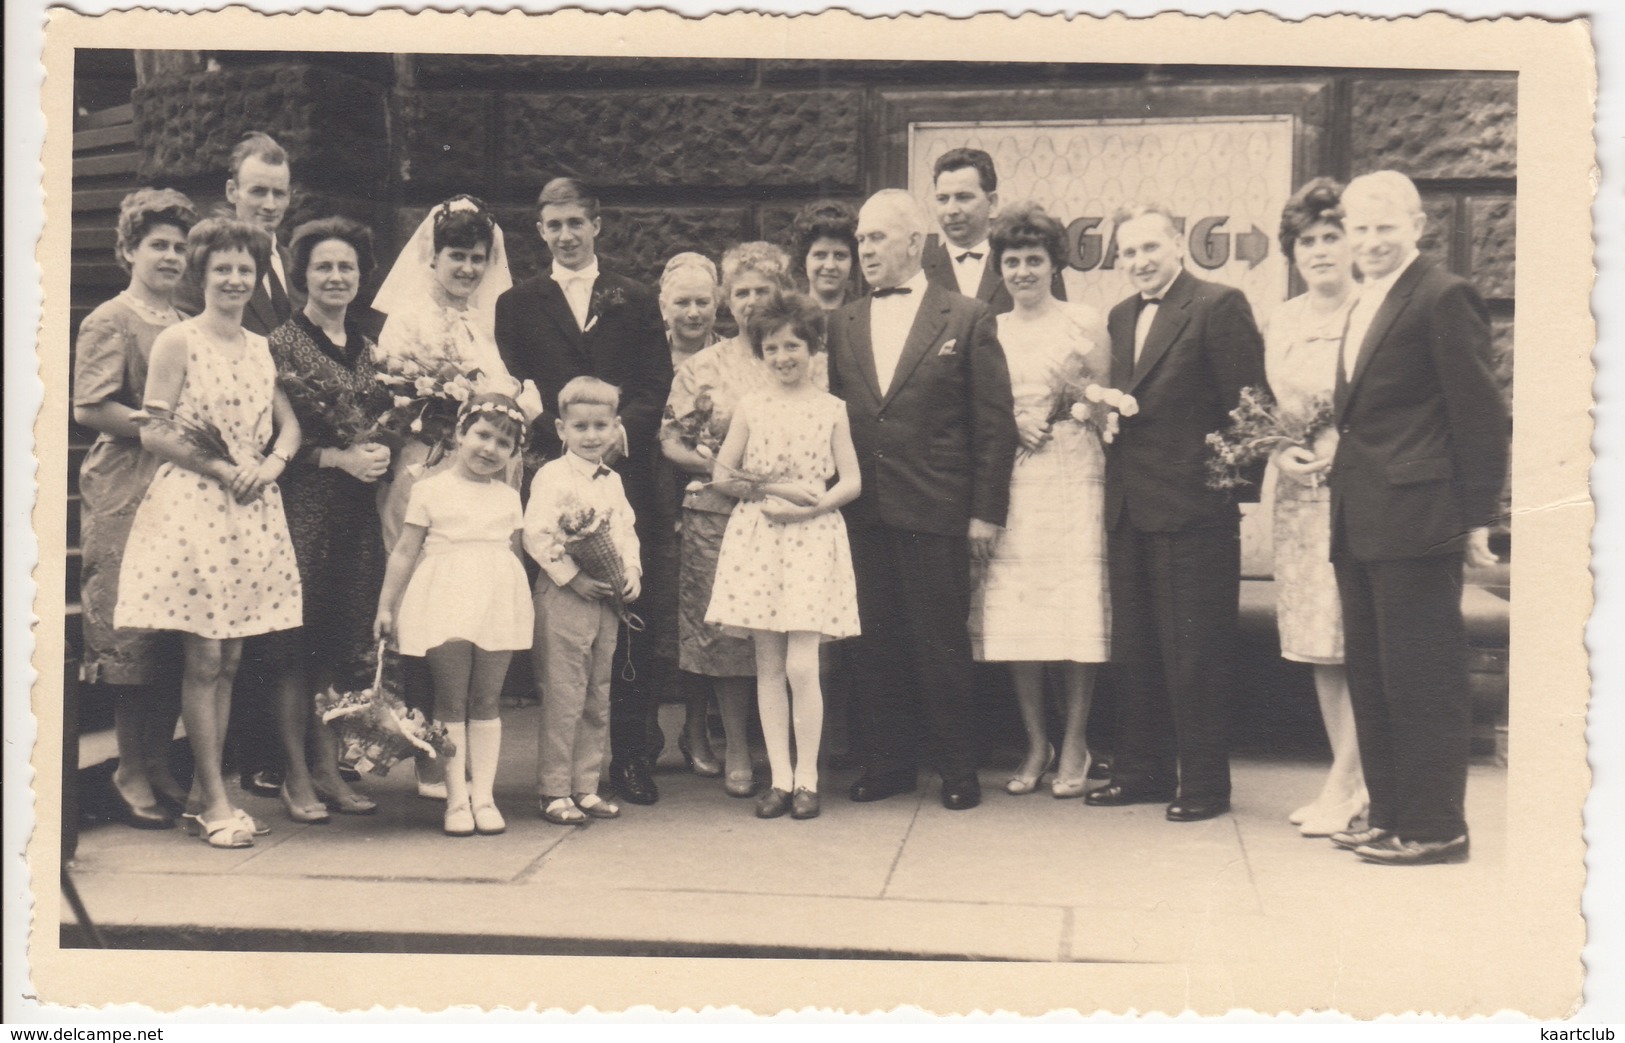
x=576, y=320
x=928, y=394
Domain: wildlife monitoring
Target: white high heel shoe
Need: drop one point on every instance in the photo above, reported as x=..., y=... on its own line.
x=1323, y=820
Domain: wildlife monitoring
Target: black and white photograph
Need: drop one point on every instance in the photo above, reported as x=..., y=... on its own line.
x=799, y=515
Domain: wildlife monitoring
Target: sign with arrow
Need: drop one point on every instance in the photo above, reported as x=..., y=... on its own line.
x=1226, y=177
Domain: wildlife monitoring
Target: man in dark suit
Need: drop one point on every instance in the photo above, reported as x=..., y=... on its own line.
x=965, y=197
x=576, y=320
x=1417, y=478
x=1184, y=348
x=928, y=394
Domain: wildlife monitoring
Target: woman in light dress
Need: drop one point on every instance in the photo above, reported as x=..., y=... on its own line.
x=209, y=553
x=1302, y=347
x=1042, y=600
x=109, y=378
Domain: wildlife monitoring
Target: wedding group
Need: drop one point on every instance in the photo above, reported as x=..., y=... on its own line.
x=914, y=456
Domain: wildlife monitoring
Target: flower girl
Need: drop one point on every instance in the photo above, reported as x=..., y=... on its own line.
x=785, y=569
x=467, y=606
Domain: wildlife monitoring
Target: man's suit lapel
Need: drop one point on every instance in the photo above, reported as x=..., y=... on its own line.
x=1120, y=328
x=1392, y=307
x=939, y=270
x=1172, y=316
x=862, y=346
x=259, y=304
x=928, y=323
x=989, y=287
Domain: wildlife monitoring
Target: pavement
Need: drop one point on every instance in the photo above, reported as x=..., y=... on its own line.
x=1018, y=879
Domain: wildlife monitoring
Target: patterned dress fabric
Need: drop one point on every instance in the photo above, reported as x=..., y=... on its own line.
x=469, y=584
x=1044, y=595
x=198, y=561
x=332, y=516
x=110, y=365
x=1301, y=352
x=795, y=576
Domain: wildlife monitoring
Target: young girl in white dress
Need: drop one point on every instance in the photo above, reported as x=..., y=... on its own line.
x=467, y=606
x=208, y=553
x=785, y=570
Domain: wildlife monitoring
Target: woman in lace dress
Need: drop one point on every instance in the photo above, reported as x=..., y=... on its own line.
x=209, y=554
x=1302, y=345
x=1042, y=599
x=109, y=378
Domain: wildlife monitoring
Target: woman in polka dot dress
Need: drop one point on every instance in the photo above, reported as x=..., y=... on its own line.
x=208, y=553
x=785, y=570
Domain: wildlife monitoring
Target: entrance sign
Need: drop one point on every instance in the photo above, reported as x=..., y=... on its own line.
x=1226, y=178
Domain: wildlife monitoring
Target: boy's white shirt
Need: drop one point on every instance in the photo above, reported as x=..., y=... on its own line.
x=568, y=482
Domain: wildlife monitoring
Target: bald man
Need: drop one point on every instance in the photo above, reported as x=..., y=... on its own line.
x=928, y=394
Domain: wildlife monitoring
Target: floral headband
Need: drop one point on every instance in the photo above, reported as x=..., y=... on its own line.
x=462, y=205
x=474, y=409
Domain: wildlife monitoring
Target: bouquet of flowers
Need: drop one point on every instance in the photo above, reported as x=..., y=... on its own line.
x=700, y=428
x=1258, y=427
x=200, y=435
x=425, y=396
x=375, y=729
x=1076, y=397
x=587, y=539
x=332, y=414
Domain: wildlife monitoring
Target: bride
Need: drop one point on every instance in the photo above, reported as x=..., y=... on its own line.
x=440, y=299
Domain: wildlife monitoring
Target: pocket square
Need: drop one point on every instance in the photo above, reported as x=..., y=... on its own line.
x=949, y=347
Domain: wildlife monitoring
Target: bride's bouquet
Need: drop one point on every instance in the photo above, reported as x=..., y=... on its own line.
x=1076, y=397
x=376, y=729
x=1258, y=427
x=425, y=396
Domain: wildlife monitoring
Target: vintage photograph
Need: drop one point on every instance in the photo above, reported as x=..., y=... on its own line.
x=718, y=506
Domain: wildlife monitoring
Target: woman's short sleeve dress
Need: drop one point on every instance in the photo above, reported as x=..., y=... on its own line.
x=110, y=365
x=1301, y=352
x=469, y=584
x=1044, y=596
x=198, y=561
x=795, y=576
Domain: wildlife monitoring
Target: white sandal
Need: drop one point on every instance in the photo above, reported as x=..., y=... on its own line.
x=562, y=811
x=597, y=806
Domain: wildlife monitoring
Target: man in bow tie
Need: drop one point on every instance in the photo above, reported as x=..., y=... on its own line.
x=575, y=319
x=928, y=394
x=1184, y=348
x=965, y=197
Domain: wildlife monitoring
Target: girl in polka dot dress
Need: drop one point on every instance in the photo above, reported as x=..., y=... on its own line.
x=785, y=570
x=208, y=553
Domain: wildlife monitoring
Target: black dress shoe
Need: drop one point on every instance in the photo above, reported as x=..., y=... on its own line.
x=1119, y=794
x=1197, y=810
x=1100, y=769
x=633, y=783
x=151, y=816
x=1393, y=851
x=772, y=804
x=961, y=794
x=267, y=782
x=879, y=787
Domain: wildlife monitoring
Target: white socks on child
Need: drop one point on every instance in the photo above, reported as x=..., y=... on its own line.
x=457, y=766
x=484, y=747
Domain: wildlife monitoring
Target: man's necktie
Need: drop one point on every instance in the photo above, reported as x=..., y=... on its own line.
x=279, y=296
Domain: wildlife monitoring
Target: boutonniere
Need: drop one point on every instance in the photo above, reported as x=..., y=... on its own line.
x=950, y=348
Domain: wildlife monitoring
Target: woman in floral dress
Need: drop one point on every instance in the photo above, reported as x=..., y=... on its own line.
x=209, y=554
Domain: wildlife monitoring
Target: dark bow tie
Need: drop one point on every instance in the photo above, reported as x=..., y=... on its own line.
x=601, y=471
x=1142, y=303
x=968, y=255
x=889, y=290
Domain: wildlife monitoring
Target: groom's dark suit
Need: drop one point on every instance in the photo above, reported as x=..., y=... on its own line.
x=1174, y=545
x=935, y=450
x=1420, y=462
x=622, y=341
x=939, y=269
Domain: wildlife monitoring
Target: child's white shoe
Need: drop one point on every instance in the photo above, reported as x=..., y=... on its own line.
x=459, y=821
x=488, y=821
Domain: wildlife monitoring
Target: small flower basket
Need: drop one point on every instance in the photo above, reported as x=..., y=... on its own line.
x=587, y=540
x=376, y=730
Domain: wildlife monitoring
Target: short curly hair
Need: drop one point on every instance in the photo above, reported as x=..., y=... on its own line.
x=825, y=219
x=215, y=234
x=463, y=222
x=313, y=233
x=764, y=259
x=143, y=210
x=795, y=310
x=1317, y=202
x=1022, y=225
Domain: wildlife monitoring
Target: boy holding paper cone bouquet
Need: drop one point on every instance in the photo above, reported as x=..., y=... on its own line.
x=579, y=528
